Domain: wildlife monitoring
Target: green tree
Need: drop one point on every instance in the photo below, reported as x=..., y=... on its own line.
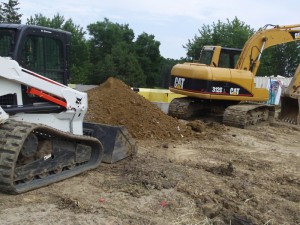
x=280, y=60
x=56, y=22
x=232, y=34
x=1, y=14
x=40, y=20
x=112, y=53
x=80, y=67
x=165, y=70
x=104, y=35
x=9, y=12
x=277, y=60
x=147, y=50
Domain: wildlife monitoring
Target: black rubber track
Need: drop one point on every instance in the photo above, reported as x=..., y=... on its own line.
x=12, y=136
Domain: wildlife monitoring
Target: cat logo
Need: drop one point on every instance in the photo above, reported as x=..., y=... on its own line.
x=179, y=82
x=234, y=91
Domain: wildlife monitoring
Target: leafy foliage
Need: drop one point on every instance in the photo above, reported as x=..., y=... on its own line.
x=112, y=50
x=232, y=34
x=114, y=53
x=9, y=12
x=278, y=60
x=79, y=54
x=147, y=50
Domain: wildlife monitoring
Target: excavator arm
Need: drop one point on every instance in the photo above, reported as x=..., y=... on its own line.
x=293, y=90
x=250, y=57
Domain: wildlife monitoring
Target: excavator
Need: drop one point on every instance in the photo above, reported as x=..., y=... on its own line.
x=43, y=136
x=222, y=82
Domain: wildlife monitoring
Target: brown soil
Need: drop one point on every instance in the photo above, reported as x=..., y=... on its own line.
x=202, y=173
x=113, y=102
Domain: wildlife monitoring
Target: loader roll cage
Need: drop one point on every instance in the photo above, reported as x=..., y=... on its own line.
x=40, y=49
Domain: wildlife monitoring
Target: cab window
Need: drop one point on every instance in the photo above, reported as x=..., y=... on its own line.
x=229, y=57
x=206, y=56
x=43, y=55
x=6, y=42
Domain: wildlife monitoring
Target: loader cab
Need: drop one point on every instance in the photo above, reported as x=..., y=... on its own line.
x=42, y=50
x=217, y=56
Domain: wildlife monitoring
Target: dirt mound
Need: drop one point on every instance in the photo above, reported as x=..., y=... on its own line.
x=114, y=103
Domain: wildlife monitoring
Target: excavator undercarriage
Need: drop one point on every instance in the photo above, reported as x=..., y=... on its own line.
x=233, y=114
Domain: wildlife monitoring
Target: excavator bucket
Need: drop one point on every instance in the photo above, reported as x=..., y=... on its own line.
x=290, y=110
x=116, y=140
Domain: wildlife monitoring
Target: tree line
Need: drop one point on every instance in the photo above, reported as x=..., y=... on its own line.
x=113, y=50
x=277, y=60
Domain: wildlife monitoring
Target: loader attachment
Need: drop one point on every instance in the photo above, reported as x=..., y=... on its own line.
x=116, y=140
x=290, y=110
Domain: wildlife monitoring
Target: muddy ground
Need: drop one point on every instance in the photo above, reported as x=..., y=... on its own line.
x=200, y=172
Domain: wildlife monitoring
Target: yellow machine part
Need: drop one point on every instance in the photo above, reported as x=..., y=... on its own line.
x=290, y=101
x=213, y=82
x=158, y=95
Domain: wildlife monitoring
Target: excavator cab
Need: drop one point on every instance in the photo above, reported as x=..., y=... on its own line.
x=217, y=56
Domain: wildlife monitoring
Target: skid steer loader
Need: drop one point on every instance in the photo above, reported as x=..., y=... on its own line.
x=43, y=136
x=290, y=100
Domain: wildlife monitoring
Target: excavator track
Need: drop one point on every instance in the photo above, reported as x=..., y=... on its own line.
x=181, y=108
x=243, y=115
x=35, y=155
x=237, y=115
x=187, y=108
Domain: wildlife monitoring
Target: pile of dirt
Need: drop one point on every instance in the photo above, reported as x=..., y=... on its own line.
x=115, y=103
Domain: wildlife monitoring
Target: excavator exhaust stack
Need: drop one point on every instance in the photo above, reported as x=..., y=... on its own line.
x=116, y=140
x=290, y=110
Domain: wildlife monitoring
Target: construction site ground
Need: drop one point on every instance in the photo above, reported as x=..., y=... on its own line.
x=185, y=172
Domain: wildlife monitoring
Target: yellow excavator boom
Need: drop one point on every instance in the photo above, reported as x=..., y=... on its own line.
x=263, y=39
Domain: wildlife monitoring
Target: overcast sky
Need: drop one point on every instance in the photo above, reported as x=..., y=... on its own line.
x=172, y=22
